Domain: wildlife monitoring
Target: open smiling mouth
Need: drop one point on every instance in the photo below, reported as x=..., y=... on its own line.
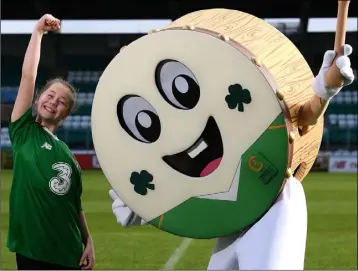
x=203, y=157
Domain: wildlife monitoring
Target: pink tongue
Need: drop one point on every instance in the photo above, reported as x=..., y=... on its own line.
x=210, y=167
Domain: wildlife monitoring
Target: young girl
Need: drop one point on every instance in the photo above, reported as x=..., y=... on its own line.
x=47, y=227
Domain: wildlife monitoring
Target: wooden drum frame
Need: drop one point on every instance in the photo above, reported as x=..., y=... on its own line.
x=271, y=49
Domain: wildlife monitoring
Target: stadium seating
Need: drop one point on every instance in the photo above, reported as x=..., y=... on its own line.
x=77, y=122
x=75, y=131
x=8, y=95
x=91, y=77
x=5, y=140
x=341, y=120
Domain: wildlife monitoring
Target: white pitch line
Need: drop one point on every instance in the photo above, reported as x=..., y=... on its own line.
x=178, y=253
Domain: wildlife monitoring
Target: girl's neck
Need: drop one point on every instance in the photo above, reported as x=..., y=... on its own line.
x=51, y=127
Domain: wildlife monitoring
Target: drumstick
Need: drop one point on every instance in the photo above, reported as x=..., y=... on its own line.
x=333, y=77
x=316, y=106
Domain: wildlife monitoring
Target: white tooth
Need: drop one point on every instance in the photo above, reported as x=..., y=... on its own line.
x=195, y=150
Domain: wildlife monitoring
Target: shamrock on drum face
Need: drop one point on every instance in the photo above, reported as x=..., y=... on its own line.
x=189, y=133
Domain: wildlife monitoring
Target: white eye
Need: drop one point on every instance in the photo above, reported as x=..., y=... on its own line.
x=177, y=84
x=138, y=118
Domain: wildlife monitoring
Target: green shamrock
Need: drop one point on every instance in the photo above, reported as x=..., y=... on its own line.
x=238, y=97
x=142, y=182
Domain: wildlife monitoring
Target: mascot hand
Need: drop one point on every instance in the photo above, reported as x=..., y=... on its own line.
x=344, y=65
x=120, y=210
x=125, y=216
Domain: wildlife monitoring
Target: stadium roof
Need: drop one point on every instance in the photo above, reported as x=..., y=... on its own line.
x=141, y=9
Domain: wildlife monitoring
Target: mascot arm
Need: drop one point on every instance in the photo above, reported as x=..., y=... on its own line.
x=310, y=112
x=124, y=215
x=136, y=220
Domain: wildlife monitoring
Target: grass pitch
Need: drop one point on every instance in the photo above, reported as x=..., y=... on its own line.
x=331, y=244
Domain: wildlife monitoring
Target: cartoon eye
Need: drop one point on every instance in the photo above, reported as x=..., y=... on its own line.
x=177, y=84
x=138, y=118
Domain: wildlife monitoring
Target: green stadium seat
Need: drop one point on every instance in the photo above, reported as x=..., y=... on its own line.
x=76, y=138
x=342, y=109
x=84, y=76
x=85, y=87
x=351, y=87
x=340, y=138
x=83, y=110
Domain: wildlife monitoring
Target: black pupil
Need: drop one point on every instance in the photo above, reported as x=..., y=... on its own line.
x=190, y=97
x=152, y=132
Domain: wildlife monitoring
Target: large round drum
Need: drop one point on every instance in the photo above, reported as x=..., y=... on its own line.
x=195, y=125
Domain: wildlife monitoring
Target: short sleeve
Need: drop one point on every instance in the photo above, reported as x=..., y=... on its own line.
x=19, y=130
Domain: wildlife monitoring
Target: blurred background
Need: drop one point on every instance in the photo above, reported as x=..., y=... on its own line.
x=90, y=38
x=93, y=33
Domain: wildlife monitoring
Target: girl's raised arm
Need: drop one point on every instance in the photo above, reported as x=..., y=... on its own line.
x=29, y=67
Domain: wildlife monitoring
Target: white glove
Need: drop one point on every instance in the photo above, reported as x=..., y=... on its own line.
x=125, y=216
x=344, y=65
x=120, y=210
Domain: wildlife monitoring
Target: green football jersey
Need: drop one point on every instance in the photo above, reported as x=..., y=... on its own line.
x=45, y=197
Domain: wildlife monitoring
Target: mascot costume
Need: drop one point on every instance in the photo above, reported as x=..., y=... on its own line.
x=218, y=118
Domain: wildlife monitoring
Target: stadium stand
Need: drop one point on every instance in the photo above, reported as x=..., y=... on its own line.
x=84, y=72
x=341, y=121
x=75, y=130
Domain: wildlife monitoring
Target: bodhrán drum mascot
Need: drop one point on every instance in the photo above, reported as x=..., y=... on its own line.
x=220, y=118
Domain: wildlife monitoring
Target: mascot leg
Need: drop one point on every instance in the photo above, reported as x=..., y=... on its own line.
x=278, y=240
x=224, y=256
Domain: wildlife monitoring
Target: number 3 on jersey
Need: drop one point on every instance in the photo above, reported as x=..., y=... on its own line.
x=61, y=184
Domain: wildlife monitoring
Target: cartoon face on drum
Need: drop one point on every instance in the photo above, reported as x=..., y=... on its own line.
x=173, y=116
x=178, y=87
